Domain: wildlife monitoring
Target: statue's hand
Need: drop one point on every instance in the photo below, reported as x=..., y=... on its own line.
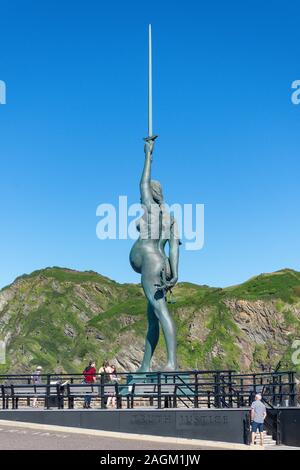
x=149, y=145
x=172, y=282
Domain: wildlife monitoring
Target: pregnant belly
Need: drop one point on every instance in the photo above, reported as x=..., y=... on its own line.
x=144, y=253
x=135, y=257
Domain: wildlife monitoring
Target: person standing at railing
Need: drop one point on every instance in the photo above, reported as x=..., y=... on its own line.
x=89, y=378
x=114, y=379
x=258, y=416
x=105, y=371
x=36, y=379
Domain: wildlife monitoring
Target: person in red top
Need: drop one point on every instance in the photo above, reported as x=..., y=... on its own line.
x=89, y=378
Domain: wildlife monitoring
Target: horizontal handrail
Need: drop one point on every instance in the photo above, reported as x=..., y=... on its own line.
x=219, y=388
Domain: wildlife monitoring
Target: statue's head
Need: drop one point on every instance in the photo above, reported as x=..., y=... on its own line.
x=157, y=192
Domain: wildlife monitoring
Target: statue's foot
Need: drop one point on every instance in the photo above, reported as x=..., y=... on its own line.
x=169, y=367
x=143, y=369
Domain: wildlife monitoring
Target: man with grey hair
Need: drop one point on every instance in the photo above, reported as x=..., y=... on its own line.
x=258, y=416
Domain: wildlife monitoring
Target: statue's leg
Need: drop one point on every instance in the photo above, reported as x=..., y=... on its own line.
x=151, y=277
x=151, y=339
x=168, y=327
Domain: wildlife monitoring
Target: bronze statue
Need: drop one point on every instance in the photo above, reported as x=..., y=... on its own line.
x=159, y=273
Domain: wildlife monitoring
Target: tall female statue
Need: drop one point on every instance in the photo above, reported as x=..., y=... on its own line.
x=159, y=272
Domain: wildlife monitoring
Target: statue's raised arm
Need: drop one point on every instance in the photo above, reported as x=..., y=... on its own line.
x=145, y=183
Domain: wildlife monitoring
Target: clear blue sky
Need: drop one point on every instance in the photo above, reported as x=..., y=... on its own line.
x=70, y=133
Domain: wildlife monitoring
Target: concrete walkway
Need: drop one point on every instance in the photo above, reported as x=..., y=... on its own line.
x=109, y=439
x=126, y=440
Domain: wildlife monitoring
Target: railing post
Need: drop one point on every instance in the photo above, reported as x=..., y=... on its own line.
x=58, y=396
x=292, y=387
x=28, y=399
x=48, y=378
x=230, y=388
x=117, y=395
x=132, y=397
x=102, y=391
x=253, y=393
x=241, y=401
x=280, y=391
x=273, y=390
x=254, y=383
x=247, y=426
x=12, y=396
x=158, y=390
x=69, y=397
x=217, y=390
x=196, y=396
x=278, y=428
x=175, y=397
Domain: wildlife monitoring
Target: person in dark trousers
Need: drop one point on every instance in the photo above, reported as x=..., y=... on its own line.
x=258, y=416
x=89, y=378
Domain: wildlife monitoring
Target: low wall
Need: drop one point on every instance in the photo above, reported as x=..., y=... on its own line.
x=227, y=425
x=290, y=426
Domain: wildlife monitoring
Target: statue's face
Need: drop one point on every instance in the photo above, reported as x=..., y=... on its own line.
x=157, y=198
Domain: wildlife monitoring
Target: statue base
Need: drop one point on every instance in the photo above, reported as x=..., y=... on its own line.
x=183, y=381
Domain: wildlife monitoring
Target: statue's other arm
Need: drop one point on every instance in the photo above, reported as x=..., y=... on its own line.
x=145, y=186
x=174, y=243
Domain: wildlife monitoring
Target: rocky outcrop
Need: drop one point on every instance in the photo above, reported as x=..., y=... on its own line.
x=264, y=326
x=259, y=320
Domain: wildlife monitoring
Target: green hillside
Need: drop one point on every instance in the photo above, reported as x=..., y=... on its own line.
x=59, y=318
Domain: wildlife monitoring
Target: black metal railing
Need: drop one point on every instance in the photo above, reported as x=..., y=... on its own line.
x=191, y=389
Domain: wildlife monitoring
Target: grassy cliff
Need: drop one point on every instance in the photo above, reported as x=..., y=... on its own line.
x=59, y=318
